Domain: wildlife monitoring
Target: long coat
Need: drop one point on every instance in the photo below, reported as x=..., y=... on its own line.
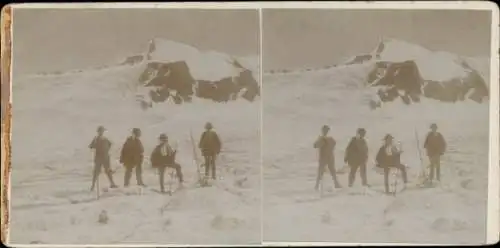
x=132, y=152
x=210, y=143
x=159, y=160
x=356, y=152
x=385, y=160
x=435, y=145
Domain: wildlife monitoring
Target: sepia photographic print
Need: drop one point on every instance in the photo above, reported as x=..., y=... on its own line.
x=376, y=125
x=250, y=124
x=137, y=126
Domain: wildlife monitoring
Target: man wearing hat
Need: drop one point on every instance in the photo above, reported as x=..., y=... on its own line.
x=356, y=156
x=435, y=145
x=210, y=146
x=325, y=145
x=163, y=156
x=101, y=145
x=132, y=155
x=389, y=156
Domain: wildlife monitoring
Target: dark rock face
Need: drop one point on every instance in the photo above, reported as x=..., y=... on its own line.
x=403, y=80
x=247, y=82
x=359, y=59
x=132, y=60
x=174, y=80
x=169, y=80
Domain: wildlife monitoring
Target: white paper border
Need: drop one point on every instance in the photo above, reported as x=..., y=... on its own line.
x=493, y=219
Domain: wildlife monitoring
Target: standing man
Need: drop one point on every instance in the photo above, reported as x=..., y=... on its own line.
x=388, y=157
x=435, y=145
x=325, y=145
x=131, y=157
x=163, y=156
x=356, y=156
x=210, y=146
x=101, y=145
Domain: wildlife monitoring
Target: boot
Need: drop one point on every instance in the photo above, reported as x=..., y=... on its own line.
x=337, y=185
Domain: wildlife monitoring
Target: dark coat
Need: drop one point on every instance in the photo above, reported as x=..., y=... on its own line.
x=325, y=145
x=435, y=145
x=356, y=152
x=385, y=160
x=132, y=152
x=210, y=143
x=102, y=146
x=158, y=160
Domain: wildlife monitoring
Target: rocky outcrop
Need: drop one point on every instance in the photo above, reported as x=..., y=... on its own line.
x=409, y=72
x=174, y=79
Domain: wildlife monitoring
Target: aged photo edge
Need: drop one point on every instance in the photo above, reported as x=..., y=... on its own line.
x=6, y=53
x=493, y=189
x=493, y=221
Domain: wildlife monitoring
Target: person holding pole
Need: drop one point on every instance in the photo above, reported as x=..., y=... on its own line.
x=101, y=146
x=325, y=145
x=163, y=156
x=389, y=157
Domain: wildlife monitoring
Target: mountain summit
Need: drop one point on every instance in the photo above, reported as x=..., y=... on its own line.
x=177, y=71
x=408, y=71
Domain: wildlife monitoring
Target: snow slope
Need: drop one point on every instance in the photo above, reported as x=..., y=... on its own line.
x=298, y=104
x=208, y=65
x=409, y=71
x=55, y=119
x=433, y=65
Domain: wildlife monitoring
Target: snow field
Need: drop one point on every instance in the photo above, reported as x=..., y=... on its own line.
x=296, y=107
x=51, y=201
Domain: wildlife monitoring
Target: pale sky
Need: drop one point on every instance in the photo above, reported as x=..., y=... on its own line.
x=62, y=39
x=316, y=37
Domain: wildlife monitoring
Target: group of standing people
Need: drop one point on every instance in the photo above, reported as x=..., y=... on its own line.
x=387, y=158
x=162, y=157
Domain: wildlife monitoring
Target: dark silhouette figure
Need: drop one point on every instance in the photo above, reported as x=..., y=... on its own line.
x=356, y=156
x=326, y=145
x=210, y=146
x=132, y=155
x=101, y=145
x=435, y=146
x=389, y=157
x=163, y=157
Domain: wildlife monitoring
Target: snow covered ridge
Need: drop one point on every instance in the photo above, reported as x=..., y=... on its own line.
x=179, y=71
x=408, y=71
x=292, y=71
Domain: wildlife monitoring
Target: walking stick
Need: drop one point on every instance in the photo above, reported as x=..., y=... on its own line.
x=195, y=158
x=395, y=176
x=170, y=182
x=423, y=173
x=321, y=183
x=98, y=187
